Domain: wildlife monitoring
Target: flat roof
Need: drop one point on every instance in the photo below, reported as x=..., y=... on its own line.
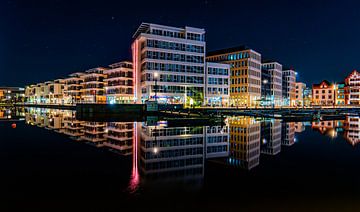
x=145, y=27
x=228, y=50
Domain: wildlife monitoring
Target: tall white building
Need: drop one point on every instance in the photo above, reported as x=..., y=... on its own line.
x=217, y=92
x=174, y=59
x=274, y=70
x=289, y=79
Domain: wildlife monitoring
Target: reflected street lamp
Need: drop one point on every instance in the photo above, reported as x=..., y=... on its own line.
x=156, y=75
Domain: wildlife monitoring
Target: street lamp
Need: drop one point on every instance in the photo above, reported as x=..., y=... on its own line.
x=156, y=75
x=265, y=82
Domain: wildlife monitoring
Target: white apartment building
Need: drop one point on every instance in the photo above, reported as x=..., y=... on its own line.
x=174, y=59
x=93, y=86
x=50, y=92
x=120, y=85
x=217, y=91
x=289, y=79
x=73, y=88
x=55, y=91
x=274, y=70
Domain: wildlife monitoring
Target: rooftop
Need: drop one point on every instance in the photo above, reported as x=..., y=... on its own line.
x=228, y=50
x=324, y=81
x=145, y=28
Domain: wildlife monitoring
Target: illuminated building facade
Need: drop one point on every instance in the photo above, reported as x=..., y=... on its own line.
x=289, y=79
x=245, y=135
x=274, y=72
x=120, y=85
x=50, y=92
x=308, y=98
x=173, y=59
x=217, y=89
x=299, y=93
x=340, y=93
x=93, y=86
x=73, y=88
x=55, y=92
x=352, y=88
x=323, y=93
x=245, y=77
x=12, y=94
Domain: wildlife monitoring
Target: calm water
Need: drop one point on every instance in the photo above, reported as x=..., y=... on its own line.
x=52, y=159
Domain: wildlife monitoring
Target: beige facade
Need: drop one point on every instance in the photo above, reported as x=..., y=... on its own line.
x=245, y=77
x=323, y=94
x=299, y=93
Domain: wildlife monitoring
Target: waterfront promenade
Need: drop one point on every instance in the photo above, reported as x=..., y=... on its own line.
x=138, y=111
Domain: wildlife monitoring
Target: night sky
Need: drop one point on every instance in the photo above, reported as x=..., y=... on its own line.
x=44, y=40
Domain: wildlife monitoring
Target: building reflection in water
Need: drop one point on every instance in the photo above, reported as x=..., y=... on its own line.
x=288, y=133
x=330, y=128
x=271, y=136
x=352, y=129
x=244, y=142
x=171, y=152
x=162, y=153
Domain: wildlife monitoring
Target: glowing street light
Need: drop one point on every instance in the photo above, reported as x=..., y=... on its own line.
x=156, y=75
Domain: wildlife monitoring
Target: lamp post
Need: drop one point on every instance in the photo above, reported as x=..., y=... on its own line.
x=265, y=82
x=156, y=75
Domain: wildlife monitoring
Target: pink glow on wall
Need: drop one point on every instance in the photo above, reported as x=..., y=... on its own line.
x=135, y=61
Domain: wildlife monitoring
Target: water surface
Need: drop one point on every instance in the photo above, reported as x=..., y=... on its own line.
x=51, y=158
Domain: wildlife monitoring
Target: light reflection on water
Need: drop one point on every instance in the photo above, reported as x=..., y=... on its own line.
x=164, y=153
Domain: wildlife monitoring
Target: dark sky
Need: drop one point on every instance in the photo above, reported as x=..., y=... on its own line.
x=47, y=39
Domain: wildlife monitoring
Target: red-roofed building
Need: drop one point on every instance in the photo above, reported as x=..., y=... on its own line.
x=323, y=93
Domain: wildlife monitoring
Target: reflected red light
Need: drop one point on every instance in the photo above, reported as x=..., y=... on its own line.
x=135, y=178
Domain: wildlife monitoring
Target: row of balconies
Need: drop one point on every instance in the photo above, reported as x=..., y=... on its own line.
x=121, y=74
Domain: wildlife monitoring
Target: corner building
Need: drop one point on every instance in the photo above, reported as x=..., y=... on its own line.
x=174, y=59
x=245, y=78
